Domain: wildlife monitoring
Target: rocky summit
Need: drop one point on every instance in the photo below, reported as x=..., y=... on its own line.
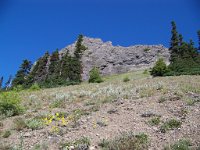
x=117, y=59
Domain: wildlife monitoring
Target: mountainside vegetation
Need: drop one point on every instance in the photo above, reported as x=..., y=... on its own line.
x=184, y=60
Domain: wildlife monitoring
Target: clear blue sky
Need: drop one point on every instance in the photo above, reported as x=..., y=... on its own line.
x=28, y=28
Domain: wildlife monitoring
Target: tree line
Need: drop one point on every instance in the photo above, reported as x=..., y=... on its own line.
x=184, y=57
x=50, y=70
x=64, y=69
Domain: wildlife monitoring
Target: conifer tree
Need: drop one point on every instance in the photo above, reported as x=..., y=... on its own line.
x=64, y=69
x=22, y=73
x=174, y=43
x=180, y=39
x=1, y=83
x=8, y=83
x=198, y=33
x=79, y=48
x=76, y=64
x=42, y=69
x=53, y=71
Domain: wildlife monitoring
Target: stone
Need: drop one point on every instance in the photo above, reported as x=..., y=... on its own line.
x=117, y=59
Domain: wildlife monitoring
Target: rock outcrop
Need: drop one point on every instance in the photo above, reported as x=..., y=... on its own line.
x=117, y=59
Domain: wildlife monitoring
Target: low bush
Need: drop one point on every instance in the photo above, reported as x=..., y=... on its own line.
x=179, y=145
x=35, y=87
x=126, y=141
x=154, y=121
x=10, y=104
x=126, y=79
x=95, y=76
x=170, y=124
x=160, y=68
x=19, y=124
x=34, y=124
x=6, y=134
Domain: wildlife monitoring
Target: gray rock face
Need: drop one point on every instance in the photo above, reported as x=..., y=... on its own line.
x=117, y=59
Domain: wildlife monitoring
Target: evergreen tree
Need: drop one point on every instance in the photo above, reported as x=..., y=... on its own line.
x=65, y=67
x=180, y=39
x=95, y=76
x=174, y=43
x=160, y=68
x=79, y=48
x=41, y=71
x=22, y=73
x=53, y=71
x=1, y=83
x=8, y=83
x=198, y=32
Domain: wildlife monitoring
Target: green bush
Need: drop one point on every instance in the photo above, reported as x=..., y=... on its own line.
x=19, y=124
x=154, y=121
x=10, y=104
x=180, y=145
x=34, y=124
x=170, y=124
x=160, y=68
x=95, y=76
x=127, y=141
x=126, y=79
x=35, y=87
x=6, y=134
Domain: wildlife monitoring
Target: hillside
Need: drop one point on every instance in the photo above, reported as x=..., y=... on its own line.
x=117, y=59
x=164, y=109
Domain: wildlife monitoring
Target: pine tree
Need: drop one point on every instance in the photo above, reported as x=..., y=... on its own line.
x=53, y=71
x=65, y=67
x=79, y=48
x=1, y=83
x=8, y=83
x=42, y=68
x=174, y=49
x=180, y=39
x=198, y=32
x=22, y=73
x=174, y=38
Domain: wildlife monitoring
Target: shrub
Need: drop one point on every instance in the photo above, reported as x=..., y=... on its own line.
x=179, y=145
x=170, y=124
x=154, y=121
x=160, y=68
x=6, y=134
x=95, y=76
x=19, y=124
x=80, y=144
x=126, y=141
x=10, y=104
x=34, y=124
x=35, y=87
x=126, y=79
x=146, y=49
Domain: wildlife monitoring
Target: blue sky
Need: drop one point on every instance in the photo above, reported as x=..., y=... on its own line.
x=28, y=28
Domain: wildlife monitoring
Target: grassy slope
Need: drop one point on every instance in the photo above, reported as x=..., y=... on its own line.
x=86, y=99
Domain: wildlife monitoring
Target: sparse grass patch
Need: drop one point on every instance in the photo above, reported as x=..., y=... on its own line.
x=146, y=49
x=126, y=141
x=170, y=124
x=10, y=104
x=59, y=103
x=80, y=144
x=34, y=124
x=190, y=102
x=19, y=124
x=154, y=121
x=179, y=145
x=42, y=146
x=126, y=79
x=162, y=99
x=6, y=134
